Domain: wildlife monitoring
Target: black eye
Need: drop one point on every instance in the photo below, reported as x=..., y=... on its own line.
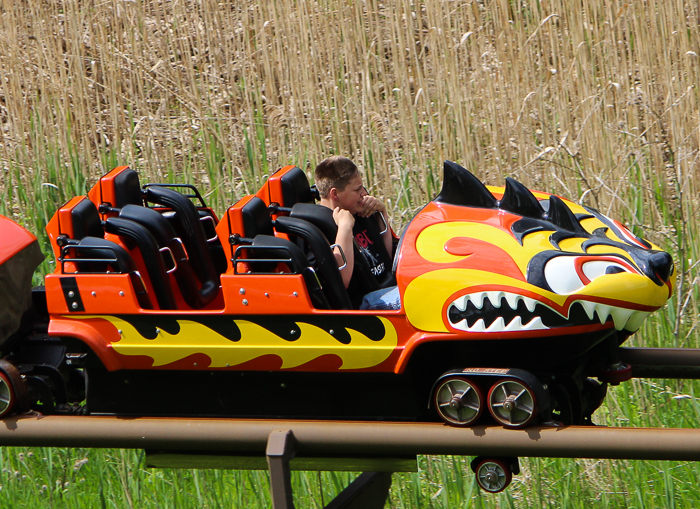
x=614, y=269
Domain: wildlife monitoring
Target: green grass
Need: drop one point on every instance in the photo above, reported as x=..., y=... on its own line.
x=82, y=478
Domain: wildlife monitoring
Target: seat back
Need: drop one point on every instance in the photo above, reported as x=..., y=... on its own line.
x=137, y=235
x=117, y=188
x=285, y=187
x=363, y=280
x=196, y=296
x=190, y=231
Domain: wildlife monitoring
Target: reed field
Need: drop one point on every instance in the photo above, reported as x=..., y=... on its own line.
x=597, y=101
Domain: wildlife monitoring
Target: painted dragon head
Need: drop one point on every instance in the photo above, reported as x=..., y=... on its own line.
x=515, y=263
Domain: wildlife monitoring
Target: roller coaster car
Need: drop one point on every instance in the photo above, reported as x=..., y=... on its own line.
x=511, y=300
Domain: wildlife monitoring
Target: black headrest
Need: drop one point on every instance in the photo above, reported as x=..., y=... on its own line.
x=318, y=215
x=295, y=188
x=86, y=220
x=256, y=218
x=127, y=189
x=158, y=225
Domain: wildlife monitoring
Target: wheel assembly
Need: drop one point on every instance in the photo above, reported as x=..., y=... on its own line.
x=13, y=391
x=512, y=403
x=458, y=401
x=493, y=475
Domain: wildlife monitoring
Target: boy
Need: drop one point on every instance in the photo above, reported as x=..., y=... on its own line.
x=339, y=184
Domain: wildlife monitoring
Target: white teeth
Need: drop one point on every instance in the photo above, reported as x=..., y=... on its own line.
x=512, y=300
x=515, y=324
x=623, y=318
x=477, y=299
x=603, y=312
x=495, y=298
x=620, y=317
x=530, y=303
x=535, y=324
x=589, y=307
x=461, y=303
x=497, y=326
x=478, y=326
x=635, y=321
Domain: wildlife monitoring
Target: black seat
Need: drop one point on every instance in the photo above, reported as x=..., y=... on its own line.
x=127, y=189
x=195, y=296
x=363, y=280
x=258, y=225
x=295, y=188
x=86, y=221
x=138, y=235
x=324, y=259
x=190, y=231
x=91, y=253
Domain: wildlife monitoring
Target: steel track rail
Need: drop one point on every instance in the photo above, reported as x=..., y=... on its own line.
x=681, y=363
x=334, y=438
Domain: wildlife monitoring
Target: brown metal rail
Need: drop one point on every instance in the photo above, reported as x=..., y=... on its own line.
x=662, y=362
x=280, y=441
x=342, y=438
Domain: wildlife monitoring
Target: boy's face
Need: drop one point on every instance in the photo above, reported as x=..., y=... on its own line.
x=351, y=197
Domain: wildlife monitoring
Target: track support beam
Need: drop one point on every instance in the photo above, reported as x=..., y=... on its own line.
x=281, y=449
x=369, y=491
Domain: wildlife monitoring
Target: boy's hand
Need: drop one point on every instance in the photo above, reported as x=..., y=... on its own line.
x=370, y=205
x=343, y=218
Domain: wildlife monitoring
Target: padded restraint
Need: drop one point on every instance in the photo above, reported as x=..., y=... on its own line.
x=326, y=264
x=191, y=231
x=165, y=236
x=100, y=248
x=276, y=247
x=142, y=238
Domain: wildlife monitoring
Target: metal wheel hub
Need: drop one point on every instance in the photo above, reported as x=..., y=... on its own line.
x=5, y=396
x=509, y=404
x=512, y=403
x=458, y=401
x=493, y=476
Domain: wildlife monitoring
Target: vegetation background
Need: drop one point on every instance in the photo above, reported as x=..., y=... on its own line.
x=597, y=101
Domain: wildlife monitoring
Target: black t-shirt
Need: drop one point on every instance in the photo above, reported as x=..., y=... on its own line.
x=369, y=250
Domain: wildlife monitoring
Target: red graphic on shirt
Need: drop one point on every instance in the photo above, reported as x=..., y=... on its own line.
x=363, y=239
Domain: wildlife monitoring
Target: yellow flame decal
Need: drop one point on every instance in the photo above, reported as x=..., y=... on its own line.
x=256, y=341
x=431, y=242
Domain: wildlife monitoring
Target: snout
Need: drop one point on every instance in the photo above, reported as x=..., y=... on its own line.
x=661, y=265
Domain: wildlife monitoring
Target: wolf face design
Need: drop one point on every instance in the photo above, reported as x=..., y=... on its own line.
x=510, y=262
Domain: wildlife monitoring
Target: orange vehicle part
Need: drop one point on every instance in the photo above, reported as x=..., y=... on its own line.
x=466, y=274
x=21, y=238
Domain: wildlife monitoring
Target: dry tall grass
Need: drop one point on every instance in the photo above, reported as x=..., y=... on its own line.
x=594, y=100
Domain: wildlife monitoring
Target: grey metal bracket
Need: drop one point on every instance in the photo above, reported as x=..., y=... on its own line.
x=369, y=491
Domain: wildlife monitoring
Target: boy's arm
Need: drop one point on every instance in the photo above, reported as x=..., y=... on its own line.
x=372, y=205
x=344, y=239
